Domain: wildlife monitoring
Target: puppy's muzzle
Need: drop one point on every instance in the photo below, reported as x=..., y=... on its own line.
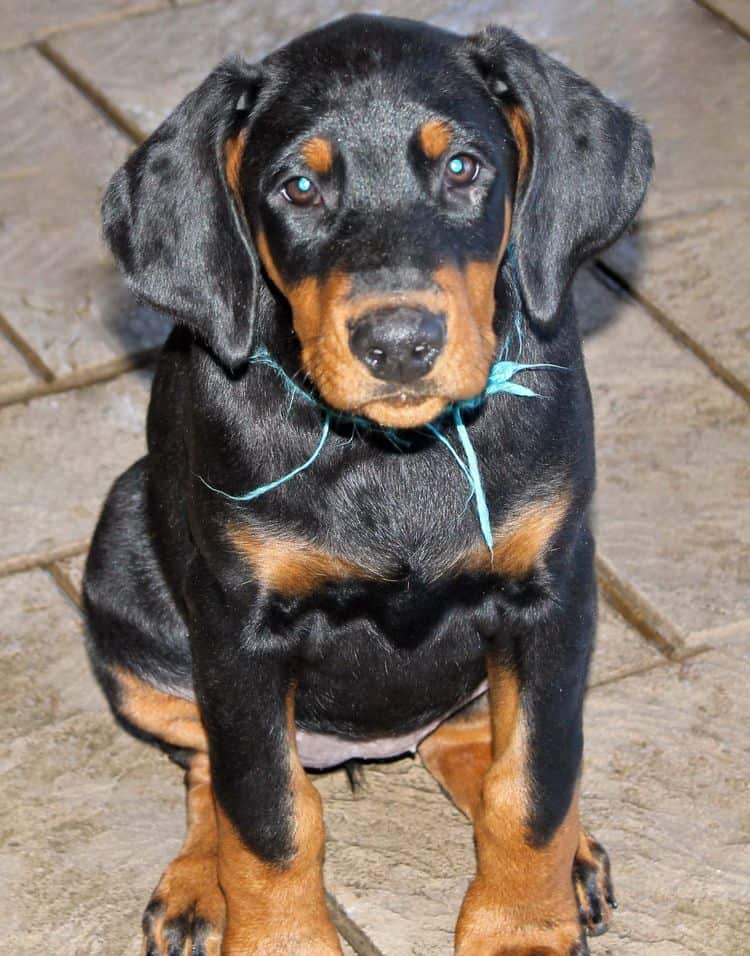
x=398, y=344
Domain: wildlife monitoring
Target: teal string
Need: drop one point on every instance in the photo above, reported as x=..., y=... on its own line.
x=257, y=492
x=500, y=379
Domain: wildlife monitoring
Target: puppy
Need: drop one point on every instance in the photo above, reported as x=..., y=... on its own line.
x=370, y=463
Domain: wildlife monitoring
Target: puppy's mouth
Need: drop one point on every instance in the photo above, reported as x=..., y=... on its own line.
x=403, y=409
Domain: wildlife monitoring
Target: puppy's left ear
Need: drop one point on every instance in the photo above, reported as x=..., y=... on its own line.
x=175, y=224
x=588, y=164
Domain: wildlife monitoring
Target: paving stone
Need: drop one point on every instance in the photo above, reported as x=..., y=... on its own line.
x=126, y=61
x=620, y=650
x=90, y=816
x=14, y=371
x=399, y=857
x=666, y=785
x=736, y=11
x=41, y=658
x=58, y=457
x=673, y=469
x=685, y=275
x=73, y=570
x=58, y=287
x=36, y=19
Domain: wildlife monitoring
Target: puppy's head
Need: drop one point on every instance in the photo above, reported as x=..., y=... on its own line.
x=371, y=174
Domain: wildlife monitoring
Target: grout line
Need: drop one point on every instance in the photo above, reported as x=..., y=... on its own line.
x=709, y=7
x=87, y=23
x=723, y=631
x=27, y=562
x=64, y=582
x=633, y=672
x=35, y=362
x=349, y=930
x=637, y=610
x=111, y=112
x=609, y=278
x=80, y=379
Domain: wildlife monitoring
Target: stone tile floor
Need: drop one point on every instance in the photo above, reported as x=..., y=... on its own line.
x=90, y=816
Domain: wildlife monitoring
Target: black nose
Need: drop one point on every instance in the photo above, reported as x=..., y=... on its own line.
x=398, y=344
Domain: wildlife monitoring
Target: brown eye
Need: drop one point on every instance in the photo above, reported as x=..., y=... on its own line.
x=461, y=170
x=301, y=191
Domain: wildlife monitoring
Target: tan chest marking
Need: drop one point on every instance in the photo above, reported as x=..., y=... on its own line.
x=522, y=541
x=290, y=565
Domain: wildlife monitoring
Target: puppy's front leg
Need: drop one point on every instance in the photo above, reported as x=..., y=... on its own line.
x=269, y=815
x=522, y=901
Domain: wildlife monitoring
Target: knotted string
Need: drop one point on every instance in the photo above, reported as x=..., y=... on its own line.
x=500, y=379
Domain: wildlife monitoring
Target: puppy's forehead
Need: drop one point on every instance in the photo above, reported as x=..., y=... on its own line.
x=364, y=76
x=359, y=43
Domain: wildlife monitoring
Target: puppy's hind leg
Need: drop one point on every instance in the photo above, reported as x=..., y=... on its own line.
x=139, y=650
x=186, y=912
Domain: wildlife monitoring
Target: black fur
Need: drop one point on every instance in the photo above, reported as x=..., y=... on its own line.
x=166, y=596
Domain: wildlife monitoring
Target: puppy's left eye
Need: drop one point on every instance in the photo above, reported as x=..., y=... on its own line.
x=301, y=191
x=461, y=170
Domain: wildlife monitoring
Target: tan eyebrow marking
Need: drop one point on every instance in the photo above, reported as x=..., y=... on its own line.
x=434, y=138
x=318, y=154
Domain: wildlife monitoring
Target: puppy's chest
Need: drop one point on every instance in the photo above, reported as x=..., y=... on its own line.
x=418, y=558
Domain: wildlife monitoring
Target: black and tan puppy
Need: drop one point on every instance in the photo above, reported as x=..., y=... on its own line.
x=353, y=237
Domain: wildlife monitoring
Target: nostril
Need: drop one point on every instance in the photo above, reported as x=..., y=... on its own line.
x=374, y=357
x=431, y=332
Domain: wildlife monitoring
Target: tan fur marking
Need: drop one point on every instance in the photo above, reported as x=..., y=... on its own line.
x=278, y=910
x=435, y=138
x=290, y=565
x=233, y=152
x=318, y=154
x=266, y=258
x=521, y=900
x=189, y=886
x=519, y=125
x=458, y=755
x=522, y=541
x=172, y=719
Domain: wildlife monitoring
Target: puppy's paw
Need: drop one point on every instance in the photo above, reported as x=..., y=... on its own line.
x=592, y=881
x=487, y=929
x=524, y=943
x=186, y=914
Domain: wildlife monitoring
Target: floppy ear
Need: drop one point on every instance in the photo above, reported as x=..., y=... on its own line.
x=590, y=164
x=175, y=226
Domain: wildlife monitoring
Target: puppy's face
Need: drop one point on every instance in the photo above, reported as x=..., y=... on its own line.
x=377, y=178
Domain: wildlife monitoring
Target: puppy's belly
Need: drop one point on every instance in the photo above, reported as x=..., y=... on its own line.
x=318, y=751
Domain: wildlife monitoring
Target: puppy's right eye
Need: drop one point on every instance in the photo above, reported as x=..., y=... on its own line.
x=301, y=191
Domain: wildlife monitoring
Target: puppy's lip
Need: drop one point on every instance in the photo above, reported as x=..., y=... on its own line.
x=403, y=410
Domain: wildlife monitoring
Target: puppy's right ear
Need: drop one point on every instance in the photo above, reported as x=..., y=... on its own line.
x=174, y=221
